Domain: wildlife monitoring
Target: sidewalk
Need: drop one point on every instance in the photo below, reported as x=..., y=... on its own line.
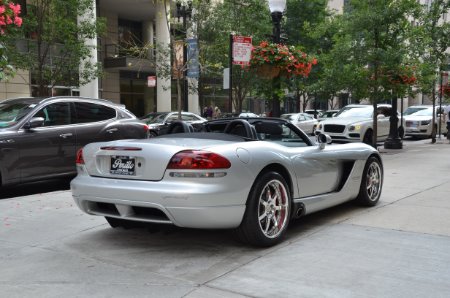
x=413, y=144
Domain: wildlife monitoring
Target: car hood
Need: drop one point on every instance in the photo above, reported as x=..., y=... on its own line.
x=345, y=120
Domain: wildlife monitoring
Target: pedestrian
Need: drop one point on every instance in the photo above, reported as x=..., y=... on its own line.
x=209, y=113
x=217, y=113
x=205, y=112
x=447, y=114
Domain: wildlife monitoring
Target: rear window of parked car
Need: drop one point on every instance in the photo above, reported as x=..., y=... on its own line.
x=90, y=112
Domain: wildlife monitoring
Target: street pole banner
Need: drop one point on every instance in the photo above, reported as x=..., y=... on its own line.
x=242, y=50
x=226, y=78
x=177, y=66
x=193, y=70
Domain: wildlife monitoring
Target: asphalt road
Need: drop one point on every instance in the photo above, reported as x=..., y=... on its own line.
x=400, y=248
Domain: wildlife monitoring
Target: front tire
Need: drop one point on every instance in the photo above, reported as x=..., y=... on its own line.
x=371, y=183
x=267, y=212
x=401, y=132
x=368, y=137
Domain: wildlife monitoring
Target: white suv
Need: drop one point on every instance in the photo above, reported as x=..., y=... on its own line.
x=354, y=123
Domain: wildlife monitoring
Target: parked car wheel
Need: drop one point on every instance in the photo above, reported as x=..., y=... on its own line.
x=153, y=134
x=268, y=210
x=401, y=132
x=371, y=183
x=368, y=137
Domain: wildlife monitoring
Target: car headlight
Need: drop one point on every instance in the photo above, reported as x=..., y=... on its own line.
x=425, y=122
x=319, y=126
x=356, y=127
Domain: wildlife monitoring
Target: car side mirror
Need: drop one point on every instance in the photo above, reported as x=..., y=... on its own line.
x=34, y=122
x=323, y=139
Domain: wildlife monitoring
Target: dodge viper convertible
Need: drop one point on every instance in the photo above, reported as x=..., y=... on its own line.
x=252, y=175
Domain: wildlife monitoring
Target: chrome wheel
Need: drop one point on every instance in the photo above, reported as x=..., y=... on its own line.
x=374, y=181
x=371, y=183
x=273, y=209
x=267, y=211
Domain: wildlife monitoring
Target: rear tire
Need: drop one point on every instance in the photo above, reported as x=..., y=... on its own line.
x=371, y=183
x=267, y=212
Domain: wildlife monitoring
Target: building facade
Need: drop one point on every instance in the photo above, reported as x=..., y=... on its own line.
x=126, y=76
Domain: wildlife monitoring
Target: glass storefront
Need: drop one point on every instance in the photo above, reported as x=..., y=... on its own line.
x=135, y=94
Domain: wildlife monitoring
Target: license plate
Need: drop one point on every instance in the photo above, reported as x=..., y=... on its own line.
x=412, y=125
x=122, y=165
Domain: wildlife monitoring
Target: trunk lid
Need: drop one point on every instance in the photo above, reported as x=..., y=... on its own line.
x=138, y=159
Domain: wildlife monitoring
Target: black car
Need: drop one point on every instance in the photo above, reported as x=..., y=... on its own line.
x=158, y=122
x=39, y=137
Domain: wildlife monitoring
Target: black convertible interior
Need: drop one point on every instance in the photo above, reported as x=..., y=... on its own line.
x=249, y=129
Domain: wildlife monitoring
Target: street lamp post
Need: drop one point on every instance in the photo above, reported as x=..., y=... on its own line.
x=185, y=12
x=277, y=8
x=393, y=141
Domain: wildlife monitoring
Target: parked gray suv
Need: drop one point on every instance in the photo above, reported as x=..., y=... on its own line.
x=39, y=137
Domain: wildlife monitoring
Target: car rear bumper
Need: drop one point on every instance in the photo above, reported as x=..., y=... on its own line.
x=191, y=205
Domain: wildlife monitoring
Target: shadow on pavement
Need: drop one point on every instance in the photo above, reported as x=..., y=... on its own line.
x=35, y=188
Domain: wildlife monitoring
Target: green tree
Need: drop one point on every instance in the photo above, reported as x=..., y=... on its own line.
x=302, y=19
x=241, y=17
x=10, y=20
x=370, y=46
x=55, y=32
x=432, y=39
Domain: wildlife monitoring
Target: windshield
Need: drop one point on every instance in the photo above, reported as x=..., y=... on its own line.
x=328, y=114
x=159, y=118
x=424, y=112
x=413, y=110
x=12, y=112
x=365, y=112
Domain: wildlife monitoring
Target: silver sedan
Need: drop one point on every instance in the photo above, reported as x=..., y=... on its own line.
x=252, y=175
x=304, y=121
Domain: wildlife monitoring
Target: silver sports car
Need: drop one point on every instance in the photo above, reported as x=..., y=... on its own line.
x=253, y=175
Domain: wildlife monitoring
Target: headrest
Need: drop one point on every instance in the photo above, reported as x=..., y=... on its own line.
x=270, y=128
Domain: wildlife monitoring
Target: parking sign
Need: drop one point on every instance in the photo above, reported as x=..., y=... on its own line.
x=242, y=49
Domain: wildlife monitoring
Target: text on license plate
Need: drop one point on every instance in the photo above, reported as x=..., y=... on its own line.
x=122, y=165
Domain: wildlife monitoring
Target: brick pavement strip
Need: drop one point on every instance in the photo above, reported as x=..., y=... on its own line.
x=398, y=249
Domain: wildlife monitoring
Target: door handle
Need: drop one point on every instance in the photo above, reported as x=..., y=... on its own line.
x=111, y=130
x=65, y=135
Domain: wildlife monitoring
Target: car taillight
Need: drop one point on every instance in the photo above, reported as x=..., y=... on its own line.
x=146, y=128
x=80, y=159
x=198, y=160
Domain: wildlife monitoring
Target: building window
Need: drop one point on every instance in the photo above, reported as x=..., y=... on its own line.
x=130, y=34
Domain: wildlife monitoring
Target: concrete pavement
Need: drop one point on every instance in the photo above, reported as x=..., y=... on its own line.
x=400, y=248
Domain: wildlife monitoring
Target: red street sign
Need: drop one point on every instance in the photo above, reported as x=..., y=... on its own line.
x=151, y=81
x=242, y=49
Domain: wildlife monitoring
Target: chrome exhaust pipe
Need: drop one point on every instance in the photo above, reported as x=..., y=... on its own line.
x=299, y=212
